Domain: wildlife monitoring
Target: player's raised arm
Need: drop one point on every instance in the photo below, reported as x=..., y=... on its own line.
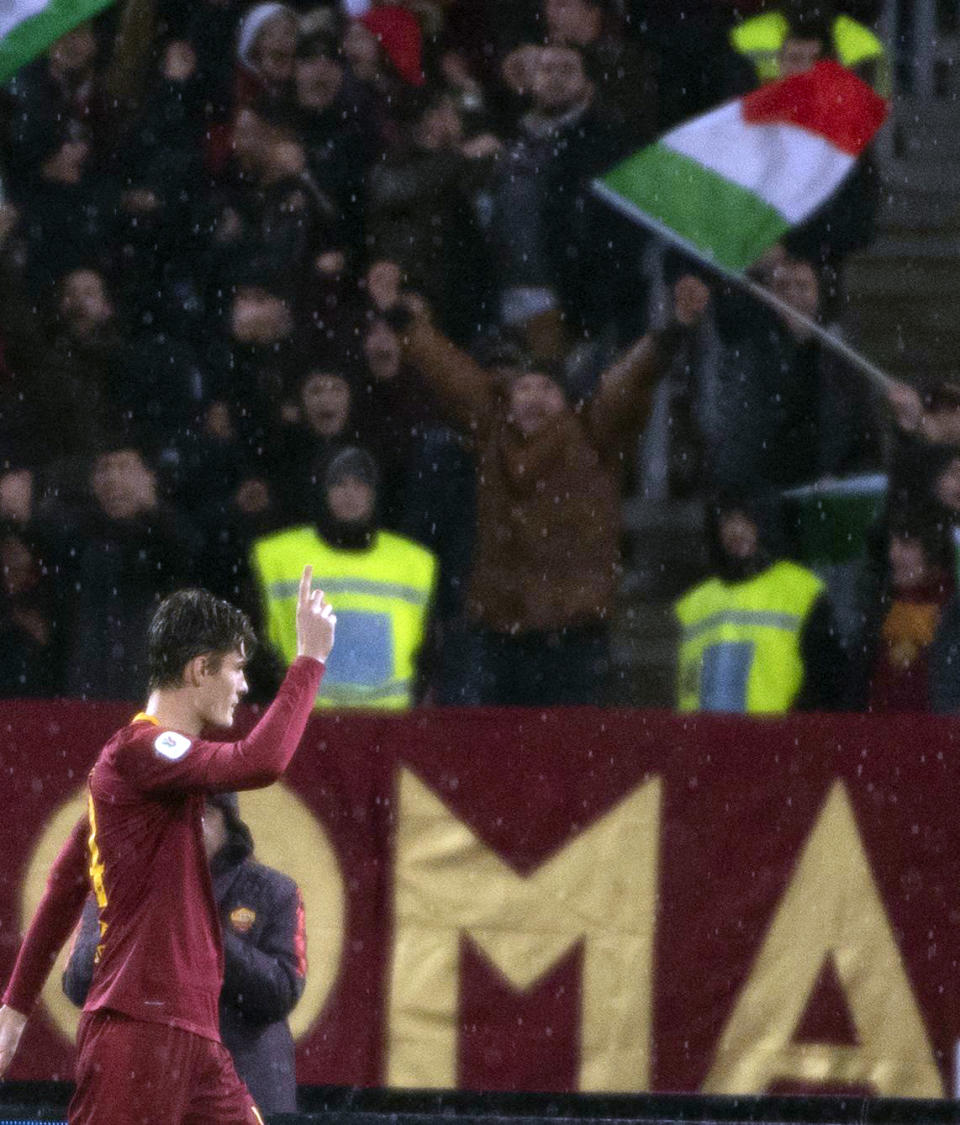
x=199, y=678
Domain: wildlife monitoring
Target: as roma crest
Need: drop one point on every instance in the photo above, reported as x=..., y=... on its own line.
x=242, y=918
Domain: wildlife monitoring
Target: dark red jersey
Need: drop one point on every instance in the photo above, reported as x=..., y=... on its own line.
x=160, y=956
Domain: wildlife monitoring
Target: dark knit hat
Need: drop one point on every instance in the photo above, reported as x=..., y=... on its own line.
x=352, y=462
x=502, y=351
x=322, y=41
x=237, y=831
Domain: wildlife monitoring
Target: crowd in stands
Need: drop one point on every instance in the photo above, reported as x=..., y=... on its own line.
x=329, y=276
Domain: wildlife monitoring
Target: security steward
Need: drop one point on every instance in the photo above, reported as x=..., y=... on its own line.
x=758, y=636
x=762, y=39
x=382, y=585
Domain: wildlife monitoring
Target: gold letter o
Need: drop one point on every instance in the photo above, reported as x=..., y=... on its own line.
x=288, y=837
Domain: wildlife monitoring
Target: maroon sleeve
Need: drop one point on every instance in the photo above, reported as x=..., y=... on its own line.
x=58, y=913
x=163, y=761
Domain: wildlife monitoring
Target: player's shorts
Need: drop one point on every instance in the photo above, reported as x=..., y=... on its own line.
x=130, y=1072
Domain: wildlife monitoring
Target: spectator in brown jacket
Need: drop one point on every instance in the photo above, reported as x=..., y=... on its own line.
x=545, y=564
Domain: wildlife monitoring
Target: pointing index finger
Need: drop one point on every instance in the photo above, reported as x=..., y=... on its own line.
x=306, y=580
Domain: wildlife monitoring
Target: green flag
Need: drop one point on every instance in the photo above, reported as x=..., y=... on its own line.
x=28, y=27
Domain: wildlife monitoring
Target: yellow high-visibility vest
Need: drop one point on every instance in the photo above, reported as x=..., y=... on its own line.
x=761, y=37
x=381, y=597
x=740, y=643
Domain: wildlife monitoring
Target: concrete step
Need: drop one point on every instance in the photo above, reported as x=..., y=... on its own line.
x=905, y=352
x=920, y=198
x=664, y=555
x=643, y=654
x=902, y=297
x=889, y=320
x=881, y=320
x=914, y=269
x=925, y=128
x=664, y=549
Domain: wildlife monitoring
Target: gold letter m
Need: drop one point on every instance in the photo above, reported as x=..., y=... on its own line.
x=599, y=889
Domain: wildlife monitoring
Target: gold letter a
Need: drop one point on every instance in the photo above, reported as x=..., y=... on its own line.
x=832, y=908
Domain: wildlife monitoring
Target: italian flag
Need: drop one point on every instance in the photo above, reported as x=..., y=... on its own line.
x=28, y=27
x=731, y=182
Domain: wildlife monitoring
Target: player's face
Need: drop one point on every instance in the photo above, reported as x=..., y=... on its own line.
x=222, y=687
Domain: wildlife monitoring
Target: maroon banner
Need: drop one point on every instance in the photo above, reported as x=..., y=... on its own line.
x=580, y=899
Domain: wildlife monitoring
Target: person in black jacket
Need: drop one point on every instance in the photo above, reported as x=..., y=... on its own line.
x=112, y=553
x=548, y=240
x=261, y=913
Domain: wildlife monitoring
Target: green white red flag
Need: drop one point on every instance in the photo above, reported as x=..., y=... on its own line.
x=28, y=27
x=731, y=182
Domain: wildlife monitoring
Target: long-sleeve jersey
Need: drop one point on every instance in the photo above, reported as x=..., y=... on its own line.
x=264, y=948
x=160, y=955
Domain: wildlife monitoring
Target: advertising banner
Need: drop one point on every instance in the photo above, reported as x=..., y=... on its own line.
x=579, y=899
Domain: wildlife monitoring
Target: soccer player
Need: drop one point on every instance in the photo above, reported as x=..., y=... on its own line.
x=149, y=1049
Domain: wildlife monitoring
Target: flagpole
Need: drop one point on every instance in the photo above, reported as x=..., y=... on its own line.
x=877, y=376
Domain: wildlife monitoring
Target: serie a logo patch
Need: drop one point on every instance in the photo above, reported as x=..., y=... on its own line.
x=171, y=745
x=242, y=918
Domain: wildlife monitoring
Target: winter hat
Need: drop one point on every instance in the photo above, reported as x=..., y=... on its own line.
x=252, y=24
x=502, y=350
x=229, y=805
x=505, y=351
x=352, y=462
x=399, y=35
x=320, y=33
